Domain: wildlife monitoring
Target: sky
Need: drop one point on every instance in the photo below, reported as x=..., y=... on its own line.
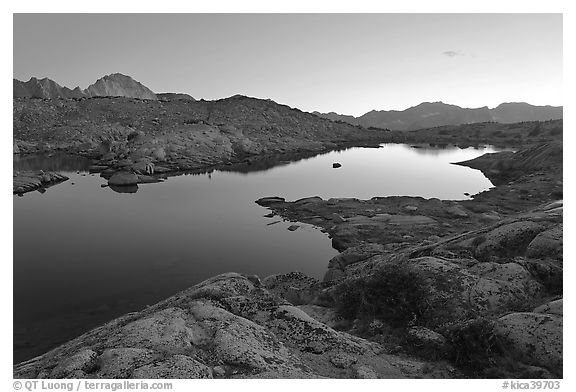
x=346, y=63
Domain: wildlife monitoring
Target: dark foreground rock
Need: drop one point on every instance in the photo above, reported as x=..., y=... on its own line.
x=535, y=338
x=229, y=326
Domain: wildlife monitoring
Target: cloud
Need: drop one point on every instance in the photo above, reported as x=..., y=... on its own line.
x=452, y=53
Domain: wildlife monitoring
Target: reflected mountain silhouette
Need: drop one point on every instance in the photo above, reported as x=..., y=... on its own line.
x=432, y=149
x=59, y=162
x=260, y=164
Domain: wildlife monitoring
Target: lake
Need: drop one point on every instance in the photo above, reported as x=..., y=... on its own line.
x=84, y=254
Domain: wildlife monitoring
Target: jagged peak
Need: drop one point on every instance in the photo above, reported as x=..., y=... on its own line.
x=117, y=75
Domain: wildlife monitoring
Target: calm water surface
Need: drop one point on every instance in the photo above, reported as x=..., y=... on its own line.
x=84, y=254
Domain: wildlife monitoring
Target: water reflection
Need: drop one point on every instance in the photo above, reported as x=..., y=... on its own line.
x=432, y=149
x=124, y=188
x=59, y=162
x=97, y=254
x=258, y=164
x=262, y=164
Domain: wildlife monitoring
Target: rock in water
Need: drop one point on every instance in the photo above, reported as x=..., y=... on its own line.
x=26, y=181
x=267, y=201
x=336, y=165
x=123, y=179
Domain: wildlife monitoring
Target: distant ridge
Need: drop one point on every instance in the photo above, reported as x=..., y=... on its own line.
x=424, y=115
x=433, y=114
x=113, y=85
x=174, y=96
x=43, y=88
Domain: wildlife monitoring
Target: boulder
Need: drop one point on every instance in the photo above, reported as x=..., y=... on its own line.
x=553, y=307
x=426, y=341
x=512, y=273
x=482, y=290
x=123, y=179
x=81, y=363
x=337, y=265
x=507, y=240
x=548, y=243
x=294, y=287
x=534, y=338
x=364, y=372
x=343, y=361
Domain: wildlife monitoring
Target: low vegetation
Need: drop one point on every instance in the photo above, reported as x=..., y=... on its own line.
x=394, y=294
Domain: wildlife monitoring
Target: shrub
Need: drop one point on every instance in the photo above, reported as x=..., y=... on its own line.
x=479, y=353
x=473, y=345
x=394, y=294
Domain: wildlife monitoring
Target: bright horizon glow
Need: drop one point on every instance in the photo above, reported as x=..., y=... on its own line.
x=343, y=63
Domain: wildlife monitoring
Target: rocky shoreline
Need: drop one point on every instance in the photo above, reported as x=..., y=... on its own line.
x=28, y=181
x=153, y=139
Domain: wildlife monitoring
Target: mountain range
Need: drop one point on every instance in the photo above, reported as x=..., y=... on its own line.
x=424, y=115
x=114, y=85
x=433, y=114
